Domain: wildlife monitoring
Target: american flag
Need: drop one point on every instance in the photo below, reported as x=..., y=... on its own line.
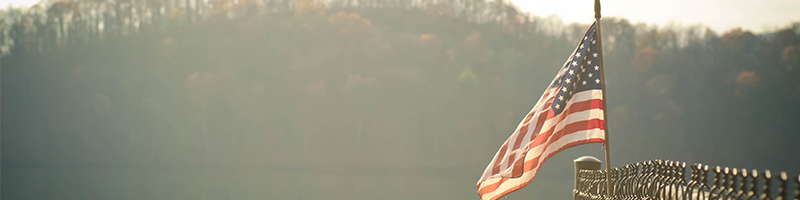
x=569, y=113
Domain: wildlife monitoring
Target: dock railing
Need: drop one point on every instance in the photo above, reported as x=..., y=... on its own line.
x=670, y=180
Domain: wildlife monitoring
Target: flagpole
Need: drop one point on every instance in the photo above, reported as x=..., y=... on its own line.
x=597, y=16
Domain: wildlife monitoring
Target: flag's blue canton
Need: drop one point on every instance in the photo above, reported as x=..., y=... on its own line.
x=580, y=73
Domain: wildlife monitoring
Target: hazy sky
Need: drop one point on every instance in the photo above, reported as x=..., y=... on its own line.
x=17, y=3
x=720, y=15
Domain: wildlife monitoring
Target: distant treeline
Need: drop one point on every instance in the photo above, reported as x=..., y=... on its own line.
x=379, y=84
x=53, y=23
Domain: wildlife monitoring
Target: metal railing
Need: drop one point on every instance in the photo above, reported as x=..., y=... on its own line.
x=664, y=179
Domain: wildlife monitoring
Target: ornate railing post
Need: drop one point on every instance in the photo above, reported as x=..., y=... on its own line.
x=767, y=193
x=743, y=190
x=733, y=188
x=667, y=180
x=797, y=184
x=782, y=186
x=584, y=162
x=753, y=185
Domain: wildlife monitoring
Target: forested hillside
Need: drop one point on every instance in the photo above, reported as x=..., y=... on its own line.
x=358, y=99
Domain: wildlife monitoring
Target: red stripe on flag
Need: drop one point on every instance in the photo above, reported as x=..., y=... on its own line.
x=535, y=133
x=574, y=127
x=539, y=124
x=570, y=128
x=515, y=188
x=573, y=108
x=520, y=136
x=524, y=129
x=581, y=106
x=577, y=126
x=501, y=154
x=494, y=186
